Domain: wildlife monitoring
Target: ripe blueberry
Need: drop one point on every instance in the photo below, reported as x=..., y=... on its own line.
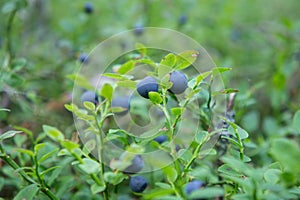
x=179, y=81
x=137, y=165
x=88, y=8
x=161, y=139
x=122, y=101
x=146, y=85
x=83, y=58
x=182, y=20
x=138, y=184
x=193, y=185
x=138, y=29
x=90, y=96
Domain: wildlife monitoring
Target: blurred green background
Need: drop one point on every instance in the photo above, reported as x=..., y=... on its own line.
x=41, y=41
x=258, y=39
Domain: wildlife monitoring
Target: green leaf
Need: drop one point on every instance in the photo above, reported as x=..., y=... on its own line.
x=114, y=178
x=117, y=109
x=141, y=48
x=107, y=91
x=229, y=90
x=95, y=188
x=163, y=185
x=209, y=192
x=20, y=139
x=48, y=170
x=225, y=91
x=71, y=107
x=241, y=132
x=26, y=151
x=27, y=192
x=287, y=153
x=296, y=121
x=185, y=59
x=16, y=80
x=169, y=60
x=69, y=145
x=200, y=136
x=219, y=70
x=135, y=148
x=170, y=173
x=9, y=134
x=82, y=114
x=289, y=178
x=89, y=105
x=89, y=166
x=117, y=76
x=47, y=155
x=192, y=93
x=53, y=133
x=226, y=169
x=237, y=165
x=272, y=175
x=63, y=152
x=177, y=111
x=126, y=67
x=8, y=7
x=24, y=130
x=18, y=64
x=185, y=154
x=155, y=193
x=155, y=97
x=38, y=147
x=202, y=76
x=231, y=140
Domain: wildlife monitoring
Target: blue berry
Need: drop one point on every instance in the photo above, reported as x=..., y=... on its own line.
x=146, y=85
x=179, y=81
x=193, y=185
x=161, y=139
x=138, y=184
x=122, y=101
x=138, y=29
x=83, y=58
x=182, y=20
x=88, y=7
x=90, y=96
x=137, y=165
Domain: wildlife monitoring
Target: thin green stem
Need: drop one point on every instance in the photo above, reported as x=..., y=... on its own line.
x=16, y=167
x=175, y=190
x=241, y=147
x=96, y=179
x=165, y=111
x=49, y=193
x=170, y=131
x=99, y=125
x=195, y=155
x=197, y=151
x=41, y=181
x=100, y=141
